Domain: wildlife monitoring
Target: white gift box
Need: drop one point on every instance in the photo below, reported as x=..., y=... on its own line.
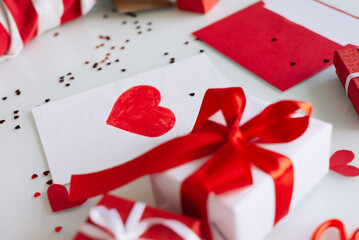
x=248, y=213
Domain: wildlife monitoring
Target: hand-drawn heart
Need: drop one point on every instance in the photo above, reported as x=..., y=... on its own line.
x=59, y=198
x=137, y=111
x=339, y=163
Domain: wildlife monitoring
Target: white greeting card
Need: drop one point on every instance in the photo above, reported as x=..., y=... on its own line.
x=109, y=125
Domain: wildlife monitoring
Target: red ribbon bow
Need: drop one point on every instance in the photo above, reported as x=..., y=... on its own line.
x=317, y=235
x=233, y=148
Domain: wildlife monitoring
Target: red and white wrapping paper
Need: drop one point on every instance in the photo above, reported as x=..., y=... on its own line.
x=249, y=212
x=120, y=219
x=346, y=62
x=23, y=20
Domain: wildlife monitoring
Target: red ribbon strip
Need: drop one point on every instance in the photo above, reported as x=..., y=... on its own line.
x=233, y=150
x=336, y=224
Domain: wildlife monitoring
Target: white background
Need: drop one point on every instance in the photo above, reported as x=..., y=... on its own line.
x=37, y=70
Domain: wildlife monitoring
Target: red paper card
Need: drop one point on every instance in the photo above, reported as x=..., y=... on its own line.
x=281, y=52
x=159, y=232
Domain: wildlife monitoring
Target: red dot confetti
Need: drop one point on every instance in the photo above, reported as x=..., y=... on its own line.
x=186, y=43
x=56, y=34
x=87, y=62
x=4, y=98
x=34, y=176
x=16, y=117
x=49, y=182
x=37, y=194
x=123, y=70
x=58, y=229
x=17, y=127
x=2, y=121
x=16, y=111
x=46, y=172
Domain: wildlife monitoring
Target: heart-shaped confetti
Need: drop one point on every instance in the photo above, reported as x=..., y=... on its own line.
x=137, y=111
x=34, y=176
x=37, y=194
x=59, y=198
x=58, y=229
x=339, y=163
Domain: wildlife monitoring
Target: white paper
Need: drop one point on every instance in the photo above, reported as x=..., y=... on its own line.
x=76, y=138
x=248, y=213
x=326, y=21
x=348, y=6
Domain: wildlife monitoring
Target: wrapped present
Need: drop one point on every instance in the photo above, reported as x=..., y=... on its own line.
x=240, y=172
x=198, y=6
x=120, y=219
x=21, y=21
x=346, y=62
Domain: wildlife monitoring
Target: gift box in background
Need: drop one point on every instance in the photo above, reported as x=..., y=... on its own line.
x=346, y=62
x=249, y=212
x=121, y=219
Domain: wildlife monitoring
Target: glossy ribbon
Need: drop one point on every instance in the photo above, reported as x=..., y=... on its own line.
x=233, y=148
x=111, y=221
x=335, y=223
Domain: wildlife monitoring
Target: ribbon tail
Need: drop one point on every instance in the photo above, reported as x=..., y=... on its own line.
x=317, y=235
x=281, y=170
x=166, y=156
x=230, y=167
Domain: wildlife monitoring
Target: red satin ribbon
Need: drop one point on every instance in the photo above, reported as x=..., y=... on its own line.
x=233, y=150
x=317, y=235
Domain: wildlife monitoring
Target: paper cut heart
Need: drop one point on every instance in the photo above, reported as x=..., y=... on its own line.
x=137, y=111
x=59, y=198
x=339, y=163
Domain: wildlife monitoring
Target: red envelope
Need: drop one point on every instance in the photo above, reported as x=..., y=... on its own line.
x=159, y=232
x=281, y=52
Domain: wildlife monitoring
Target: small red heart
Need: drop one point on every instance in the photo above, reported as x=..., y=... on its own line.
x=58, y=229
x=137, y=111
x=339, y=163
x=37, y=194
x=59, y=198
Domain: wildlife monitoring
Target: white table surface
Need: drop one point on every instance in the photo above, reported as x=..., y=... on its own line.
x=36, y=73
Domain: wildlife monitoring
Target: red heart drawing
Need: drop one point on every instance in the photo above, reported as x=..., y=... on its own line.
x=59, y=198
x=137, y=111
x=339, y=163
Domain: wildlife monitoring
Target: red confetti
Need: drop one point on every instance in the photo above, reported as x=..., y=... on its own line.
x=34, y=176
x=49, y=182
x=46, y=172
x=87, y=62
x=37, y=194
x=339, y=163
x=58, y=229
